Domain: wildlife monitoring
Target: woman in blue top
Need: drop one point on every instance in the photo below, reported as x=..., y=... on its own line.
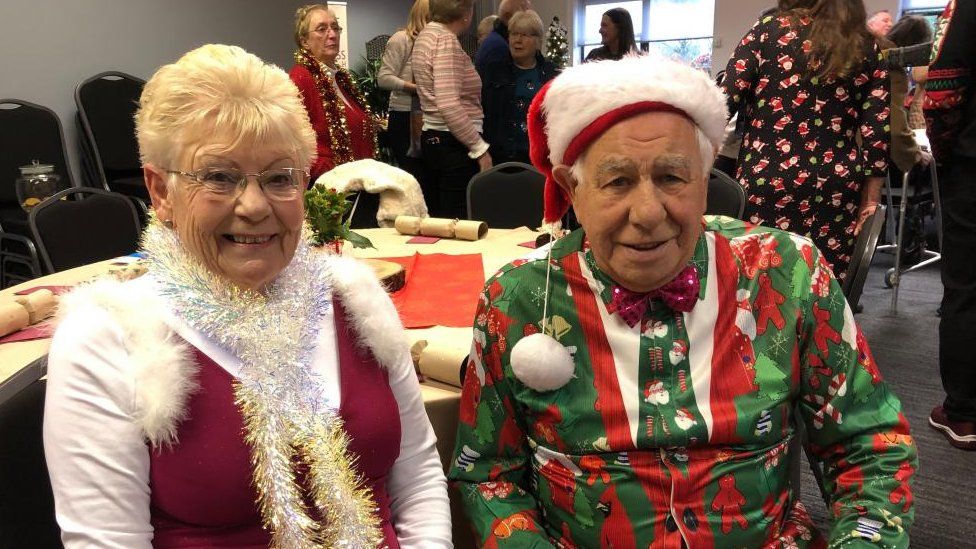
x=509, y=86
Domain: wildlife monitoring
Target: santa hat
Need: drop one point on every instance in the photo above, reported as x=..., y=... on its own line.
x=575, y=108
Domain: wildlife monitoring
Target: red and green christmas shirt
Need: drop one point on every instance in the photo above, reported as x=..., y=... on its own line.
x=677, y=432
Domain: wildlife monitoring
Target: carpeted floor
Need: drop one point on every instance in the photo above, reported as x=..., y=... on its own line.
x=905, y=346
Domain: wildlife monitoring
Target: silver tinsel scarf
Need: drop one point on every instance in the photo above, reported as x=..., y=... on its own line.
x=280, y=398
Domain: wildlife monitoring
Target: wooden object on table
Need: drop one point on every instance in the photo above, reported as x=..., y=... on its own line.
x=13, y=317
x=392, y=275
x=39, y=305
x=440, y=227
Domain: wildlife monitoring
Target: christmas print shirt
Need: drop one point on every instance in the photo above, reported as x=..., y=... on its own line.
x=677, y=432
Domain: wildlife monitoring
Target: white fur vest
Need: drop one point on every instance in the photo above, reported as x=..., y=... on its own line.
x=162, y=365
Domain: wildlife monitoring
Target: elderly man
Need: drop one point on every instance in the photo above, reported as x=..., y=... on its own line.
x=880, y=23
x=639, y=385
x=495, y=46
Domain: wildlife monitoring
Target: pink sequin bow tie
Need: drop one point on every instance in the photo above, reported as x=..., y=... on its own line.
x=680, y=294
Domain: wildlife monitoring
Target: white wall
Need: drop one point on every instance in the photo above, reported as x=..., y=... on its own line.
x=734, y=17
x=48, y=46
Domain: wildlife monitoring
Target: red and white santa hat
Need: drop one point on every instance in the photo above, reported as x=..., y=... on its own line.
x=574, y=109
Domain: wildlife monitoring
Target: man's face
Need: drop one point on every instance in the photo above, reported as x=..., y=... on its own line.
x=880, y=24
x=641, y=198
x=507, y=8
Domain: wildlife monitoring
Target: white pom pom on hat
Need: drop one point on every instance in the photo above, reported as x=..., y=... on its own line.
x=574, y=109
x=541, y=362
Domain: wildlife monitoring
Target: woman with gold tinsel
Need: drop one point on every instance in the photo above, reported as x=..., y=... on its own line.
x=247, y=391
x=345, y=129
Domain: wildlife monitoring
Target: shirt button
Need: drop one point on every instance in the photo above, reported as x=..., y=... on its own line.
x=670, y=524
x=690, y=520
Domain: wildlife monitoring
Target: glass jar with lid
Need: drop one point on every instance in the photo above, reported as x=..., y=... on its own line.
x=36, y=182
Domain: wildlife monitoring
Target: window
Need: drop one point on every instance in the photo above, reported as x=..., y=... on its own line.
x=924, y=5
x=679, y=29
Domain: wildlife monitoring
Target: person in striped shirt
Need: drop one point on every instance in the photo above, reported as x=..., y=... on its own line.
x=450, y=96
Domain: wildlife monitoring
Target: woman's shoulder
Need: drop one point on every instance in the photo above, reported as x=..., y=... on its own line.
x=299, y=74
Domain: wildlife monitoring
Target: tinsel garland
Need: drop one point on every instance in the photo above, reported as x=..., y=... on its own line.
x=286, y=418
x=341, y=141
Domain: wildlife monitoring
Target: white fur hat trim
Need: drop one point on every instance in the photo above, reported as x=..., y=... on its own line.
x=583, y=93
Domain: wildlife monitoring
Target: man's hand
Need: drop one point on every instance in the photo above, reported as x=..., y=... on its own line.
x=484, y=162
x=924, y=158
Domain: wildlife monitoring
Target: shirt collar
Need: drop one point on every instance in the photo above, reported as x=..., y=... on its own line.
x=699, y=259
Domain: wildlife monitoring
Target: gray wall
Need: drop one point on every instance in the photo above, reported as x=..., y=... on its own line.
x=48, y=46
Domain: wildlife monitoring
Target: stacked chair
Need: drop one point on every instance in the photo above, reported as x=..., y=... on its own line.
x=107, y=103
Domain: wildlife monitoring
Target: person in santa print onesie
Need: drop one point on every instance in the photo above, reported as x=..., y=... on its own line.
x=639, y=383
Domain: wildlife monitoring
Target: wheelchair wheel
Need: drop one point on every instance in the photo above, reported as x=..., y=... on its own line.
x=889, y=278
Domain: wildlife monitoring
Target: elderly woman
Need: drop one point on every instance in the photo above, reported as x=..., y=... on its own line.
x=340, y=115
x=450, y=96
x=509, y=87
x=247, y=391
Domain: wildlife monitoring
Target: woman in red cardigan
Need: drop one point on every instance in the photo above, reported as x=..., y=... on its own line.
x=338, y=111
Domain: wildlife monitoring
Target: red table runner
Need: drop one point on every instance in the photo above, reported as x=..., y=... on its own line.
x=440, y=289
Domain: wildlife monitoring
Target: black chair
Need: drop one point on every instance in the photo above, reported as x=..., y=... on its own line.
x=107, y=103
x=70, y=233
x=864, y=248
x=18, y=259
x=725, y=195
x=27, y=132
x=27, y=506
x=506, y=196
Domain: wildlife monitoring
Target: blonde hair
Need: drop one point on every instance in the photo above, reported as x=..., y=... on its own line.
x=487, y=25
x=218, y=91
x=418, y=18
x=302, y=16
x=449, y=11
x=526, y=20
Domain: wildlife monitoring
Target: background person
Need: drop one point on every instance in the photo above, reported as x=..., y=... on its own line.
x=616, y=36
x=485, y=26
x=396, y=74
x=340, y=115
x=495, y=46
x=905, y=152
x=880, y=23
x=809, y=79
x=232, y=396
x=450, y=96
x=509, y=87
x=950, y=111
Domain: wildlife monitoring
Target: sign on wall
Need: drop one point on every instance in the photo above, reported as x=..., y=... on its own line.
x=339, y=8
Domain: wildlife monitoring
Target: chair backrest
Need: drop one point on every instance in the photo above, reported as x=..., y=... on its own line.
x=107, y=103
x=28, y=132
x=864, y=247
x=376, y=46
x=27, y=508
x=506, y=196
x=70, y=233
x=725, y=195
x=19, y=261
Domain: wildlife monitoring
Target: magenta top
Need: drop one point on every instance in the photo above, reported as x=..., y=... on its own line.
x=202, y=489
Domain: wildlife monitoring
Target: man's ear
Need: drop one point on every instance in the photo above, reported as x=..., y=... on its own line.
x=158, y=192
x=565, y=179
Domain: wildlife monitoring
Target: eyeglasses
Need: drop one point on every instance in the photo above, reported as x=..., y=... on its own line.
x=277, y=184
x=322, y=29
x=522, y=35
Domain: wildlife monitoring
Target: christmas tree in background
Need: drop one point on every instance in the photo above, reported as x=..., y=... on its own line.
x=557, y=47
